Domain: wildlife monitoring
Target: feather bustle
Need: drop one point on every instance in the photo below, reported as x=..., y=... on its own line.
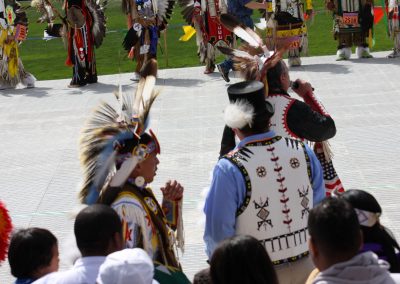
x=109, y=132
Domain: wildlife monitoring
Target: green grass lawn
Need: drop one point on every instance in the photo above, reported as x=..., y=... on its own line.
x=46, y=59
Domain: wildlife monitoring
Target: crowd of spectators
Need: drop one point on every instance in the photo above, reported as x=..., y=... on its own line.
x=344, y=248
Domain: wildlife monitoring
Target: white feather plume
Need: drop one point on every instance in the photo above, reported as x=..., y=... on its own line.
x=244, y=34
x=124, y=172
x=239, y=114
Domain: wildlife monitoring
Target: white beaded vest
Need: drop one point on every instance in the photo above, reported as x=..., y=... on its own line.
x=279, y=195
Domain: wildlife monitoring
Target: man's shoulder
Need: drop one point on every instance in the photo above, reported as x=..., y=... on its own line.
x=61, y=277
x=126, y=202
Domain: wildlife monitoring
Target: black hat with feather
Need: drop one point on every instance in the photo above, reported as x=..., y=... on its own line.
x=114, y=141
x=247, y=105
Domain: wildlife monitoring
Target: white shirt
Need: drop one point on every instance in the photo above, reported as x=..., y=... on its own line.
x=84, y=271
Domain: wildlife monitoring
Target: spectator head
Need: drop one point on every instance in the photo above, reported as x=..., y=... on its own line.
x=98, y=230
x=241, y=260
x=248, y=113
x=364, y=201
x=335, y=234
x=128, y=266
x=202, y=277
x=368, y=211
x=33, y=253
x=278, y=77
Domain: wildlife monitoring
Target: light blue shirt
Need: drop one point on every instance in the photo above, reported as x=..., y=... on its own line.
x=228, y=191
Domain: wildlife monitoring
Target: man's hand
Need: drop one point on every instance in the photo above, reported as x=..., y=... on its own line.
x=303, y=88
x=172, y=190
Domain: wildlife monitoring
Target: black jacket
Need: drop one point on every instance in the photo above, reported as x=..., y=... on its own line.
x=301, y=120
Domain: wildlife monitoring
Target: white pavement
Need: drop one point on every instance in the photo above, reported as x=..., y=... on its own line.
x=39, y=165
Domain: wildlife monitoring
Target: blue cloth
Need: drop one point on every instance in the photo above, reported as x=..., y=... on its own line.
x=24, y=281
x=227, y=64
x=228, y=191
x=238, y=9
x=153, y=40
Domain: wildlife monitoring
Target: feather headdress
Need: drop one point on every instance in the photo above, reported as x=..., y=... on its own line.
x=252, y=58
x=5, y=231
x=96, y=9
x=114, y=140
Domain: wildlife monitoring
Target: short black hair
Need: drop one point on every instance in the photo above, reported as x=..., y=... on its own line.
x=274, y=76
x=257, y=127
x=94, y=227
x=333, y=225
x=30, y=249
x=241, y=260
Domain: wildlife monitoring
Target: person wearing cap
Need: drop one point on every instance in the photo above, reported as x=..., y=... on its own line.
x=127, y=266
x=377, y=238
x=265, y=187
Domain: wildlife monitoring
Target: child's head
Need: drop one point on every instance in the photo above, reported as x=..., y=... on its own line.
x=33, y=253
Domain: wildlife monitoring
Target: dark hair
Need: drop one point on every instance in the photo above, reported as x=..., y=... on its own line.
x=202, y=277
x=242, y=260
x=333, y=225
x=274, y=77
x=94, y=227
x=259, y=126
x=377, y=234
x=30, y=249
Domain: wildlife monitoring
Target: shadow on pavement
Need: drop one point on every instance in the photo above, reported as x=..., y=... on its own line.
x=179, y=82
x=323, y=67
x=37, y=92
x=380, y=60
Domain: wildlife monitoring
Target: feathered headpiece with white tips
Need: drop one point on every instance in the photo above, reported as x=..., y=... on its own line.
x=239, y=114
x=112, y=144
x=252, y=58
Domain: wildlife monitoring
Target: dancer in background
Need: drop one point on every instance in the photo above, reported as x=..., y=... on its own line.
x=146, y=19
x=353, y=22
x=285, y=25
x=13, y=30
x=83, y=28
x=204, y=15
x=394, y=26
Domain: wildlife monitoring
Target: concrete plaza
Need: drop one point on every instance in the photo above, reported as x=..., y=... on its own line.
x=40, y=128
